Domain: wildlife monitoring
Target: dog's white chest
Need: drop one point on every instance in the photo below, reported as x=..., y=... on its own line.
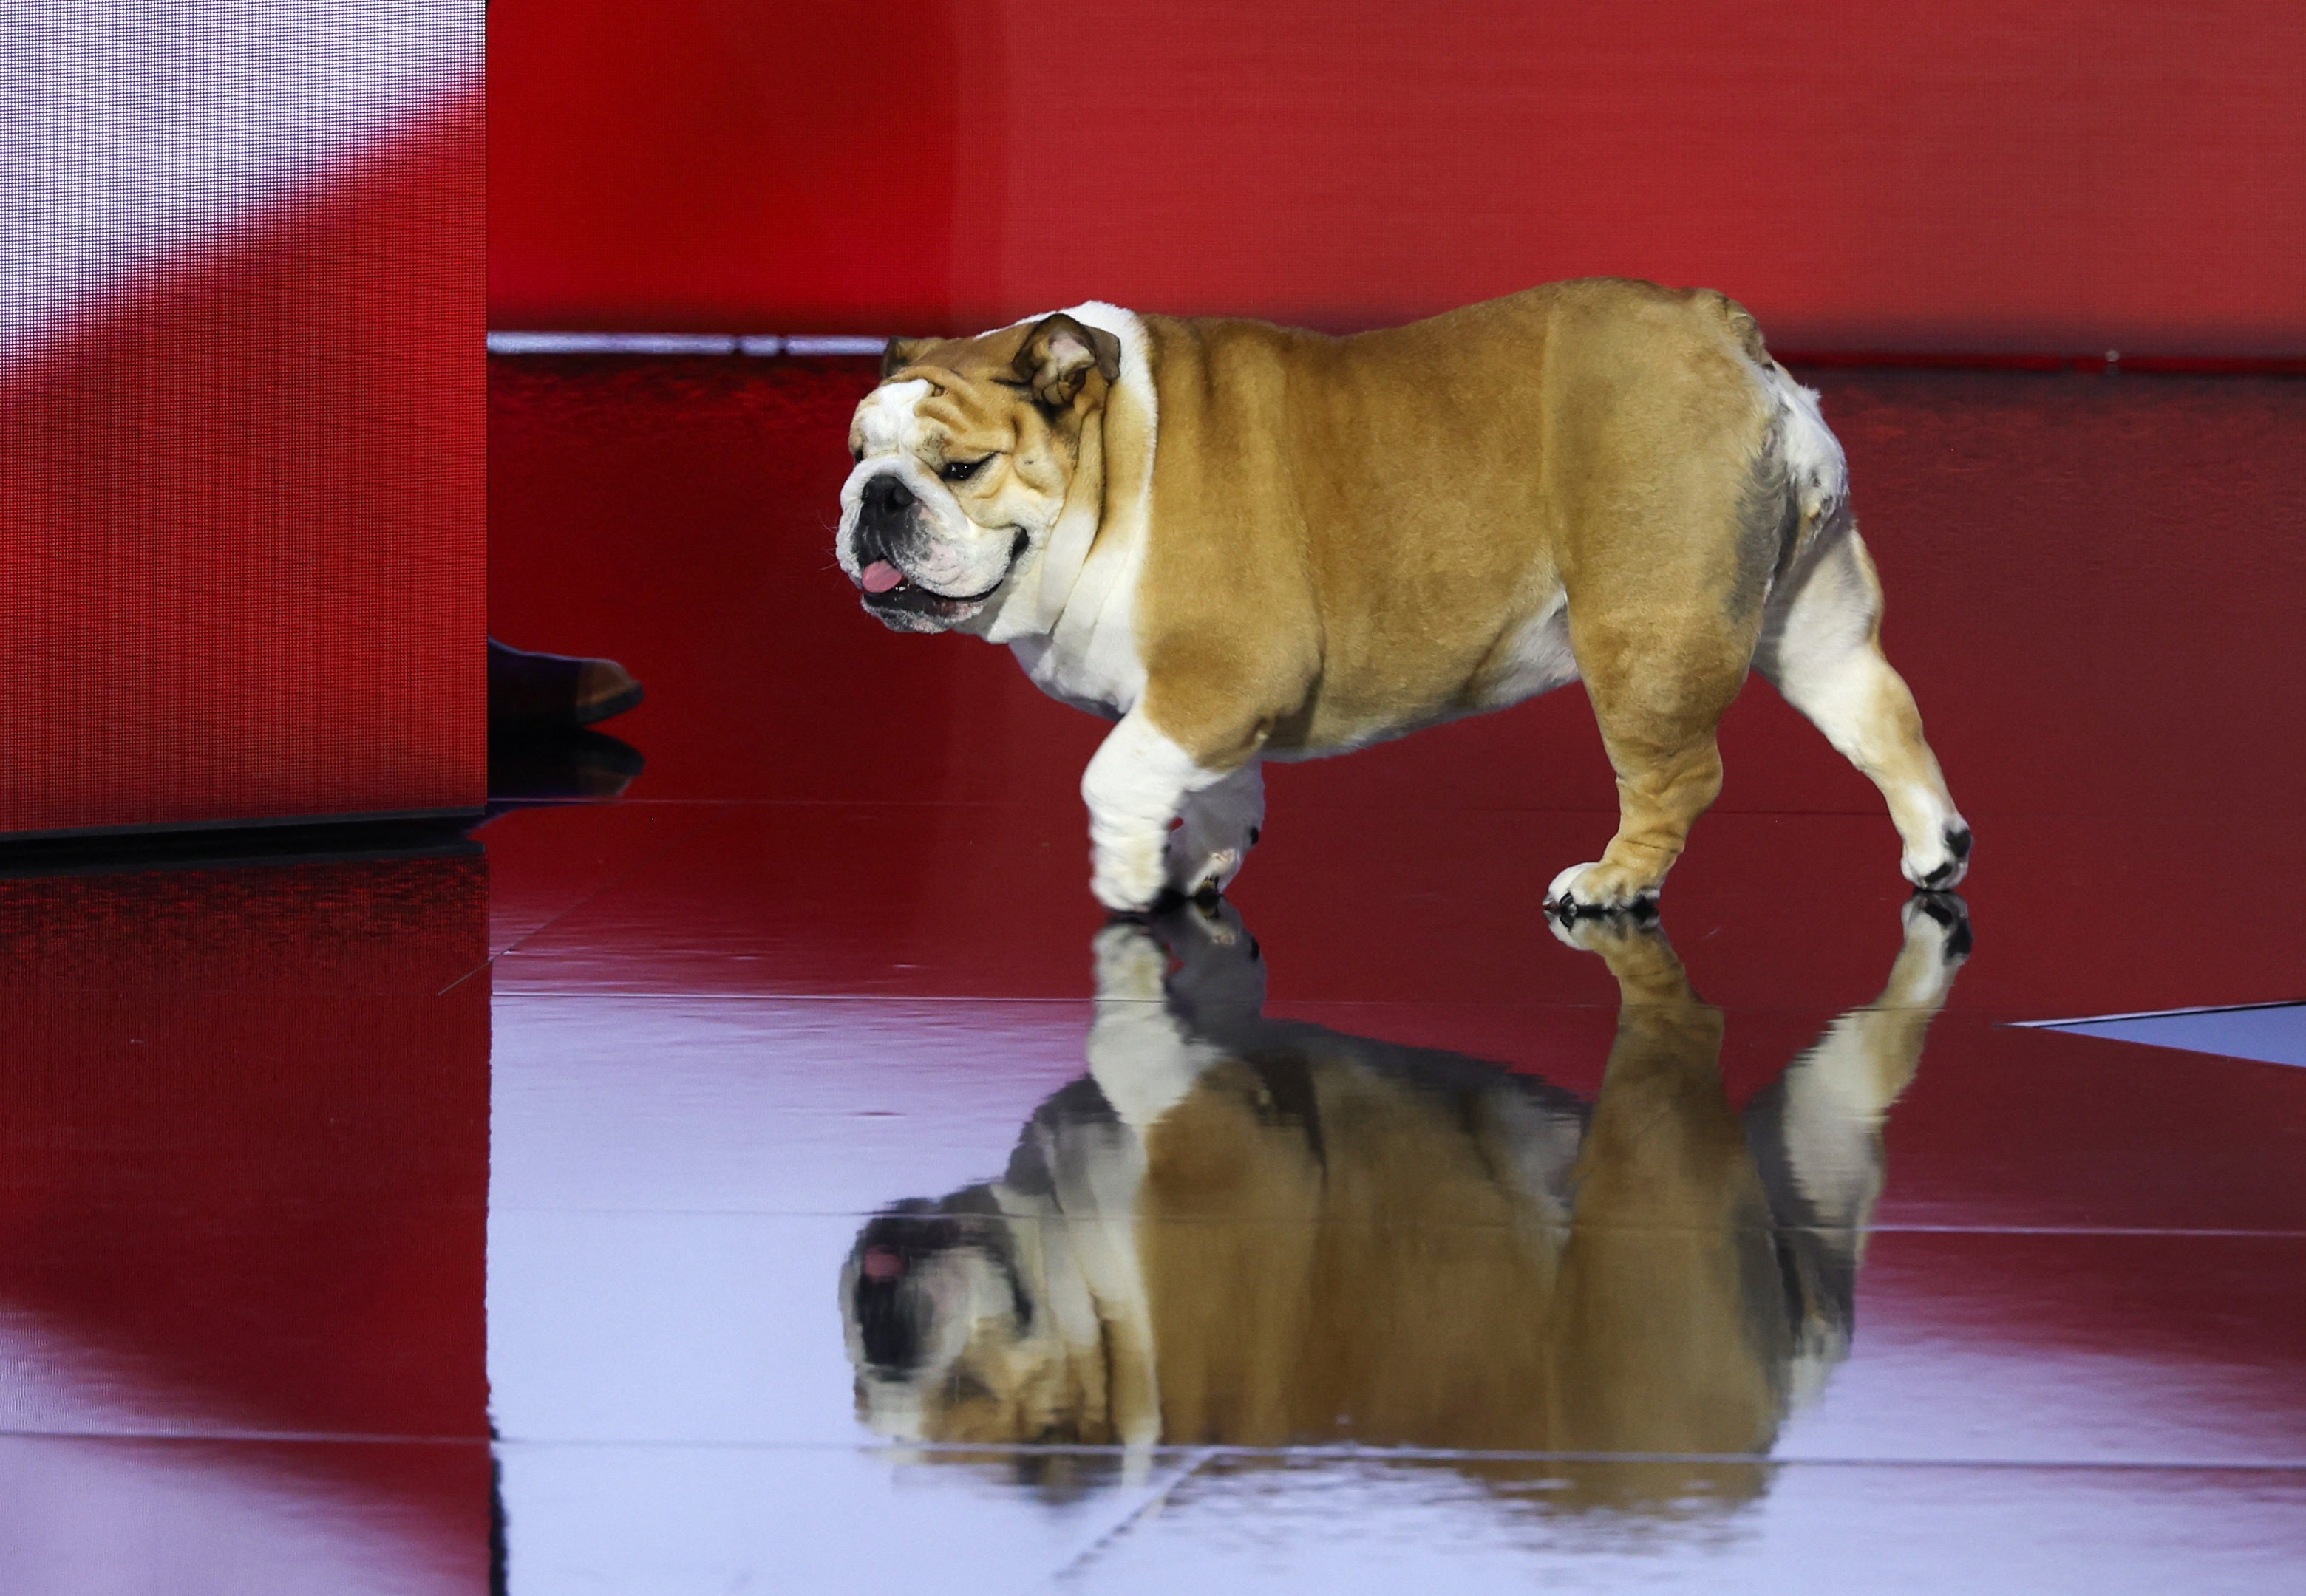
x=1098, y=672
x=1089, y=659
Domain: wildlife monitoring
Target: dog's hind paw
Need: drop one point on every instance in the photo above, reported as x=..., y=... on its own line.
x=1940, y=865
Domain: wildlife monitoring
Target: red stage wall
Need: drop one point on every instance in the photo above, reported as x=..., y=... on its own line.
x=243, y=455
x=1972, y=174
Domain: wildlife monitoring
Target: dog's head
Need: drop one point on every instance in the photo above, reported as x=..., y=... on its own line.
x=952, y=1334
x=965, y=455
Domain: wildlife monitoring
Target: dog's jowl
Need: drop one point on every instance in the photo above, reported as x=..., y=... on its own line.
x=1244, y=543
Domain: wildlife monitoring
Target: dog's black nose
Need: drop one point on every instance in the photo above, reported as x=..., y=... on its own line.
x=884, y=495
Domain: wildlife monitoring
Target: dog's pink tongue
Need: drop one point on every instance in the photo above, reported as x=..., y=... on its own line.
x=880, y=576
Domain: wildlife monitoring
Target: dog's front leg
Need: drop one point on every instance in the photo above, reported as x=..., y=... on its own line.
x=1136, y=786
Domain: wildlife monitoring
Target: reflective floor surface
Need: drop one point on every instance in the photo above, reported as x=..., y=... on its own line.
x=781, y=1177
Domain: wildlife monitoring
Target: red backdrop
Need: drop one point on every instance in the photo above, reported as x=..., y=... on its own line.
x=242, y=467
x=1971, y=174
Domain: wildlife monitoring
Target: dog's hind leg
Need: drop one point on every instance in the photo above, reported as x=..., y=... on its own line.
x=1822, y=647
x=1659, y=688
x=1670, y=517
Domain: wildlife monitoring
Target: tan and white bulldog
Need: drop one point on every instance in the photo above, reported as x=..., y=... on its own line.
x=1246, y=542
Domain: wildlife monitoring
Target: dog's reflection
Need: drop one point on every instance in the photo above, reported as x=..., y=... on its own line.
x=1246, y=1231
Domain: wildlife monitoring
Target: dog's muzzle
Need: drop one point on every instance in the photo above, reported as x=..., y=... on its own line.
x=886, y=515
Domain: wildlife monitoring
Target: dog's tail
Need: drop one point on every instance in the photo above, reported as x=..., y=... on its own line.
x=1801, y=479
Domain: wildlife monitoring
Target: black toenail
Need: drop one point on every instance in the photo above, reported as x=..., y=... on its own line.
x=1957, y=842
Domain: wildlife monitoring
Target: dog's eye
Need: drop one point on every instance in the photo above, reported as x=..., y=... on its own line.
x=960, y=471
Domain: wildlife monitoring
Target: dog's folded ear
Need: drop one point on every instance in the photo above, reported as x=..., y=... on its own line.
x=1058, y=355
x=900, y=355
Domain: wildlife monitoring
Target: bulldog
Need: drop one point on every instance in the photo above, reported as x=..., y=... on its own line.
x=1244, y=543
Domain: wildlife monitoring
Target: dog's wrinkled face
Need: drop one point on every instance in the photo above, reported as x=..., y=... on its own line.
x=964, y=455
x=949, y=1338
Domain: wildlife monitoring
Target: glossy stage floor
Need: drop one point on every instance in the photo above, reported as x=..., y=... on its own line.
x=748, y=1183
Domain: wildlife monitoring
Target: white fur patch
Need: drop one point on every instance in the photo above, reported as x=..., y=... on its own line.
x=1135, y=786
x=1817, y=647
x=1073, y=623
x=885, y=425
x=889, y=420
x=1815, y=464
x=1536, y=660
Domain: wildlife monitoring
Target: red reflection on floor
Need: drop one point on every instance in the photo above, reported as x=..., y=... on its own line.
x=244, y=1182
x=1396, y=904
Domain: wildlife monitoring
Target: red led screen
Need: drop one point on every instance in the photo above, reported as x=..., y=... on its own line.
x=242, y=560
x=1918, y=175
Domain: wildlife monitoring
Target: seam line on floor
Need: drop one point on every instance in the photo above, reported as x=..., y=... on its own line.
x=617, y=880
x=1151, y=1505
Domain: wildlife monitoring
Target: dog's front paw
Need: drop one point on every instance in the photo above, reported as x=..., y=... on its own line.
x=1128, y=880
x=1599, y=888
